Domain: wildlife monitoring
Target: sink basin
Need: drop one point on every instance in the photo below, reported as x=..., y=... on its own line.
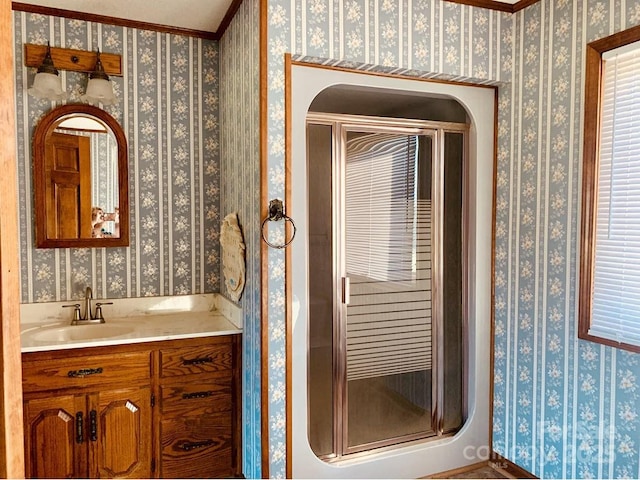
x=69, y=333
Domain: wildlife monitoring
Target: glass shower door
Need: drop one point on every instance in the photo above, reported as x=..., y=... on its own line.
x=387, y=287
x=387, y=283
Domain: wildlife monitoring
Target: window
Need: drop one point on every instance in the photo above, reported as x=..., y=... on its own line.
x=609, y=310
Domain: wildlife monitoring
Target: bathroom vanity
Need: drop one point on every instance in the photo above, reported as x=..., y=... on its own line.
x=157, y=396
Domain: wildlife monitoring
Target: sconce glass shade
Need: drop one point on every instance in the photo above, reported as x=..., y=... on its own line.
x=99, y=90
x=99, y=87
x=47, y=84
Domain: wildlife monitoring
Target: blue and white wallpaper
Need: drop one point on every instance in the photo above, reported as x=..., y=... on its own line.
x=562, y=407
x=240, y=193
x=168, y=107
x=418, y=38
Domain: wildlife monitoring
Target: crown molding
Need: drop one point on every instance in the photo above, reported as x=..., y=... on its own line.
x=122, y=22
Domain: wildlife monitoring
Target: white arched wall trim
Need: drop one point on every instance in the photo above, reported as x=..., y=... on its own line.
x=471, y=444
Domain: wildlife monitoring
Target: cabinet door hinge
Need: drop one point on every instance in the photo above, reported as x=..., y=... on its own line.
x=153, y=400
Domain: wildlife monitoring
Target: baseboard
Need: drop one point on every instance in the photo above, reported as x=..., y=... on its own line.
x=457, y=471
x=501, y=464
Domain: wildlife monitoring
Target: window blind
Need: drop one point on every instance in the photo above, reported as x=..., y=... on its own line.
x=381, y=209
x=616, y=293
x=388, y=257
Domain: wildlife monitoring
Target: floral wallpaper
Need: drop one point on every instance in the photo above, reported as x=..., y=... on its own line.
x=416, y=38
x=562, y=407
x=168, y=107
x=240, y=192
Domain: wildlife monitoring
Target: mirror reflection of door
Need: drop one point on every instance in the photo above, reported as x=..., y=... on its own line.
x=68, y=186
x=80, y=179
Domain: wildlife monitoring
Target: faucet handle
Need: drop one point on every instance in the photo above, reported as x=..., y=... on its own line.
x=98, y=315
x=76, y=312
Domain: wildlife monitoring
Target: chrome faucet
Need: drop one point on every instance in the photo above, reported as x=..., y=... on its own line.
x=87, y=316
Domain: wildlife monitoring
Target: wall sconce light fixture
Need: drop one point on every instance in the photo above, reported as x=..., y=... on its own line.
x=47, y=83
x=99, y=87
x=98, y=65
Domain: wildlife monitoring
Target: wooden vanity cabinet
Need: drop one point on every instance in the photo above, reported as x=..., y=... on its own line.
x=159, y=409
x=84, y=419
x=197, y=420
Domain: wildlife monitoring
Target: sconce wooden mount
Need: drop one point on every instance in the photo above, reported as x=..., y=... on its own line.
x=73, y=60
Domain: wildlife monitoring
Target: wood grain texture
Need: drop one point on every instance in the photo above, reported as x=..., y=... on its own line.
x=522, y=4
x=490, y=4
x=494, y=202
x=11, y=425
x=195, y=360
x=123, y=445
x=67, y=165
x=134, y=433
x=50, y=438
x=201, y=426
x=83, y=372
x=202, y=397
x=73, y=60
x=197, y=447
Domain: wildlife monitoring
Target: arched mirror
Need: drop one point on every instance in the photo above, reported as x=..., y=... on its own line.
x=80, y=179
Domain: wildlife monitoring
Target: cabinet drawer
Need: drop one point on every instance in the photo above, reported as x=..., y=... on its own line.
x=197, y=447
x=201, y=398
x=86, y=371
x=211, y=358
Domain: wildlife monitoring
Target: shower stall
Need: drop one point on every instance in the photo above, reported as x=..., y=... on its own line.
x=387, y=282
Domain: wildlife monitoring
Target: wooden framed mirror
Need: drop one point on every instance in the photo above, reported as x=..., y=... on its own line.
x=80, y=168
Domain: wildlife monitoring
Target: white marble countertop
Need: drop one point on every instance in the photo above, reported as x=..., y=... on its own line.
x=46, y=326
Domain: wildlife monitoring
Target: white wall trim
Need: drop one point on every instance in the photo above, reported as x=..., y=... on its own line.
x=471, y=444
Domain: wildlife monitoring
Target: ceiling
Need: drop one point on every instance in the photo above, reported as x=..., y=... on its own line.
x=199, y=15
x=202, y=15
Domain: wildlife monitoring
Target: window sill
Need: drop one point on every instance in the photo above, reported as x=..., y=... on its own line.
x=610, y=343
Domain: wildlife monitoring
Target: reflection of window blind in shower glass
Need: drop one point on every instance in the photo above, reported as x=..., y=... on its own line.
x=388, y=254
x=388, y=262
x=382, y=208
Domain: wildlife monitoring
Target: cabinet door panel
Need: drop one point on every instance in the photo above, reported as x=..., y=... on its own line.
x=121, y=445
x=197, y=447
x=54, y=447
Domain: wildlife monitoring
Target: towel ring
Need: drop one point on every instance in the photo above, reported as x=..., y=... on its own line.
x=276, y=213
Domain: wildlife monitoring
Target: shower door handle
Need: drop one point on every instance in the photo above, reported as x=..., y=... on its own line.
x=346, y=290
